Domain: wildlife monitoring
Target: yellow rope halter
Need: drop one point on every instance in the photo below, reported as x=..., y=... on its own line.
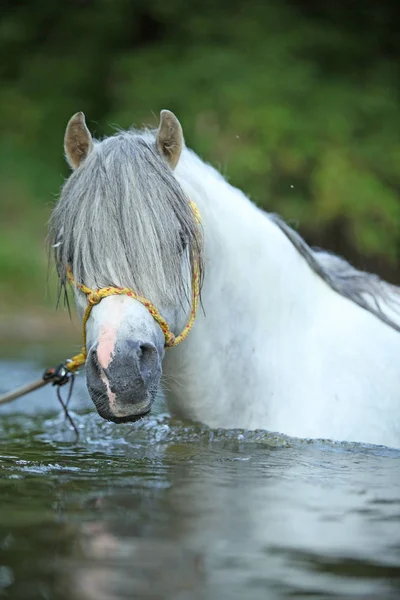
x=95, y=296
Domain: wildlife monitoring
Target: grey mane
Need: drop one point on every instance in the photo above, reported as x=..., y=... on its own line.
x=123, y=220
x=365, y=289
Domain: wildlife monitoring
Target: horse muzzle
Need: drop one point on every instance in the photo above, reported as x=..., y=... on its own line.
x=123, y=387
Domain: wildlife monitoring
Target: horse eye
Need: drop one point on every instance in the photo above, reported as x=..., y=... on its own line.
x=183, y=242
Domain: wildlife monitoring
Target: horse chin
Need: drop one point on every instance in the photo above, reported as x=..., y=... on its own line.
x=106, y=413
x=139, y=410
x=127, y=419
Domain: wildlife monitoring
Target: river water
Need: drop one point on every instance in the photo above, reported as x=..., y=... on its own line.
x=168, y=510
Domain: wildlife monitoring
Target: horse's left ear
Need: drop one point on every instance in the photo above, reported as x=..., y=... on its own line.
x=170, y=138
x=78, y=142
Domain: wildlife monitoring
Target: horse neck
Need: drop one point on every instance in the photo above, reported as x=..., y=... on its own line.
x=255, y=280
x=248, y=259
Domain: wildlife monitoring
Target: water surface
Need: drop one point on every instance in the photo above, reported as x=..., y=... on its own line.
x=168, y=510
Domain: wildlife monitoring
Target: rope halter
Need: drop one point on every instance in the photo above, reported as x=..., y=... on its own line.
x=96, y=296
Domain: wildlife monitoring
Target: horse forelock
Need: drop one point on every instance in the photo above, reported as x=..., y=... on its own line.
x=121, y=220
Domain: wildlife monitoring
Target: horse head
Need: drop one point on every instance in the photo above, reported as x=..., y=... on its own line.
x=123, y=222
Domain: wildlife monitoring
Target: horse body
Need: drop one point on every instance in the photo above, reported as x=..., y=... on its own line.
x=286, y=339
x=276, y=348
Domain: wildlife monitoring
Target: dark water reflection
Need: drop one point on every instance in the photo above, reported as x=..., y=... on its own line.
x=165, y=510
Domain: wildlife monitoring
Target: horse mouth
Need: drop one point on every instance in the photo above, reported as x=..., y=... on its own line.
x=106, y=413
x=126, y=419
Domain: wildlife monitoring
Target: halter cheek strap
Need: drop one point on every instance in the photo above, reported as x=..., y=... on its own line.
x=96, y=296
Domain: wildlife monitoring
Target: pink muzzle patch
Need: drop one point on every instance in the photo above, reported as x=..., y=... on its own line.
x=106, y=346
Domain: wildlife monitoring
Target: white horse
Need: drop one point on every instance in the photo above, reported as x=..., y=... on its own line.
x=286, y=339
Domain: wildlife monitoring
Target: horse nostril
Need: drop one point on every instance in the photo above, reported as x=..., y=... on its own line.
x=147, y=355
x=93, y=361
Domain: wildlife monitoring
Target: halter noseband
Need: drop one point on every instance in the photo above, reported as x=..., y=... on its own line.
x=96, y=296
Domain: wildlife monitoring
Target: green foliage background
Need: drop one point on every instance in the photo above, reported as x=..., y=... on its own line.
x=297, y=103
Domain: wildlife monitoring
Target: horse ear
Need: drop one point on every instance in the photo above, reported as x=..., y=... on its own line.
x=170, y=138
x=77, y=140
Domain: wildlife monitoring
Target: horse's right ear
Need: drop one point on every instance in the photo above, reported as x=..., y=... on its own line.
x=78, y=142
x=169, y=138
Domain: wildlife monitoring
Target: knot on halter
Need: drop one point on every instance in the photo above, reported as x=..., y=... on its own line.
x=95, y=296
x=169, y=339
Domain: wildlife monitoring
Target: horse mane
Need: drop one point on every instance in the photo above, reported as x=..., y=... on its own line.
x=365, y=289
